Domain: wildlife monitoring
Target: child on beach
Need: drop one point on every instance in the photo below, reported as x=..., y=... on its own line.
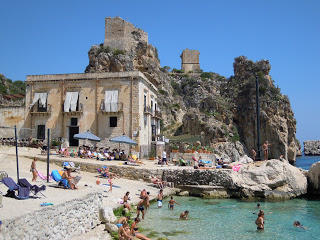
x=110, y=183
x=33, y=169
x=171, y=203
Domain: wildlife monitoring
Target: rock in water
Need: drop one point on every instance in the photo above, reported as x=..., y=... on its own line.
x=312, y=147
x=314, y=179
x=270, y=179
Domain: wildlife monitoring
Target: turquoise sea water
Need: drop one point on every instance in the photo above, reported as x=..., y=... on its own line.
x=233, y=219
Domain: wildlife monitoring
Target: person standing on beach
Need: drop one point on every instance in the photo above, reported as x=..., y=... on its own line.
x=171, y=203
x=260, y=222
x=265, y=148
x=33, y=169
x=164, y=158
x=160, y=197
x=110, y=183
x=140, y=208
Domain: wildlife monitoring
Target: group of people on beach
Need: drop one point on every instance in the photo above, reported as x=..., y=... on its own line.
x=125, y=231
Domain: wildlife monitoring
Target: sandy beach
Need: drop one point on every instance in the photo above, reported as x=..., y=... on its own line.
x=57, y=195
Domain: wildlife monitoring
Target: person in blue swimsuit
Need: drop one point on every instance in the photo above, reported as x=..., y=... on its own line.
x=171, y=204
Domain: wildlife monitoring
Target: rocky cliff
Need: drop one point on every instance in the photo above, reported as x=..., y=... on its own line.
x=314, y=179
x=312, y=147
x=221, y=110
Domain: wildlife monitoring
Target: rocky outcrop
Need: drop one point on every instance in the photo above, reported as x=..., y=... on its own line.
x=221, y=110
x=270, y=179
x=312, y=147
x=314, y=179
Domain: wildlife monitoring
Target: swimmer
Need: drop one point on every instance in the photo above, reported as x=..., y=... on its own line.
x=261, y=211
x=171, y=203
x=259, y=222
x=184, y=215
x=297, y=224
x=160, y=197
x=140, y=208
x=146, y=201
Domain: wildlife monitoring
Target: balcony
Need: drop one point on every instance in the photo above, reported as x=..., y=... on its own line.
x=78, y=112
x=157, y=114
x=147, y=110
x=120, y=109
x=37, y=110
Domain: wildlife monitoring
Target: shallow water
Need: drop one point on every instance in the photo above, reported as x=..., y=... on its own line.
x=233, y=219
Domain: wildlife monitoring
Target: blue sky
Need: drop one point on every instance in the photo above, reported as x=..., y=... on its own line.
x=52, y=37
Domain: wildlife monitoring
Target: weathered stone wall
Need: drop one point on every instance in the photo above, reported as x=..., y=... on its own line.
x=91, y=88
x=9, y=117
x=62, y=221
x=123, y=35
x=312, y=147
x=190, y=60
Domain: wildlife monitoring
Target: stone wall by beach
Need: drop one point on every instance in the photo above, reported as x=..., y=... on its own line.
x=62, y=221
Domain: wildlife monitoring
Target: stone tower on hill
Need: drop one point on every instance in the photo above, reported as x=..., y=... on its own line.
x=122, y=35
x=190, y=60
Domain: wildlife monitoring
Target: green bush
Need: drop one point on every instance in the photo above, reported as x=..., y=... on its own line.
x=206, y=75
x=152, y=153
x=117, y=51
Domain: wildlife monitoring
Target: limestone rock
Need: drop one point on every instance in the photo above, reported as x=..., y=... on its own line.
x=111, y=227
x=314, y=179
x=312, y=147
x=183, y=193
x=106, y=215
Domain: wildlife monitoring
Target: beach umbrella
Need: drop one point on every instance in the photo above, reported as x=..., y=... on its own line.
x=123, y=139
x=86, y=136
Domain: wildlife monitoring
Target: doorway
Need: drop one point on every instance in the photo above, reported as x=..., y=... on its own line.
x=73, y=129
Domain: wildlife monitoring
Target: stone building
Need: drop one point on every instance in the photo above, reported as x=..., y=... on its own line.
x=190, y=60
x=108, y=104
x=123, y=35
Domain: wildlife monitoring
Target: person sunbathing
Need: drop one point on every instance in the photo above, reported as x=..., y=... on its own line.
x=67, y=175
x=66, y=153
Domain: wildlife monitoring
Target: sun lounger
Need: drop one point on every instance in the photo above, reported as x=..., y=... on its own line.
x=23, y=192
x=72, y=166
x=57, y=177
x=34, y=189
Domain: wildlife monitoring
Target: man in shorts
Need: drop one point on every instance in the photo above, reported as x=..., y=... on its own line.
x=160, y=197
x=164, y=158
x=140, y=207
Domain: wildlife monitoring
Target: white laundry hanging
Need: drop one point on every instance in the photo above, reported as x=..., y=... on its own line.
x=111, y=101
x=39, y=96
x=71, y=101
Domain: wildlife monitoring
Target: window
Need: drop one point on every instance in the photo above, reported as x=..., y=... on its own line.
x=74, y=121
x=151, y=105
x=111, y=100
x=113, y=121
x=145, y=101
x=41, y=132
x=71, y=102
x=42, y=108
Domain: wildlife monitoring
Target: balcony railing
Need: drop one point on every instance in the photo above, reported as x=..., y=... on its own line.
x=35, y=110
x=79, y=110
x=120, y=109
x=147, y=110
x=157, y=114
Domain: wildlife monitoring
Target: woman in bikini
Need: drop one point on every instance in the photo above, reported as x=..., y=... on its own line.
x=134, y=230
x=125, y=201
x=34, y=170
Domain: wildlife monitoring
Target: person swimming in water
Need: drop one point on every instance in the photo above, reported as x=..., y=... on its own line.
x=297, y=224
x=260, y=221
x=184, y=215
x=171, y=203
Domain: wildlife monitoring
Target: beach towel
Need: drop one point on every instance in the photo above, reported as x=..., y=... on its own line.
x=108, y=185
x=46, y=204
x=42, y=176
x=236, y=168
